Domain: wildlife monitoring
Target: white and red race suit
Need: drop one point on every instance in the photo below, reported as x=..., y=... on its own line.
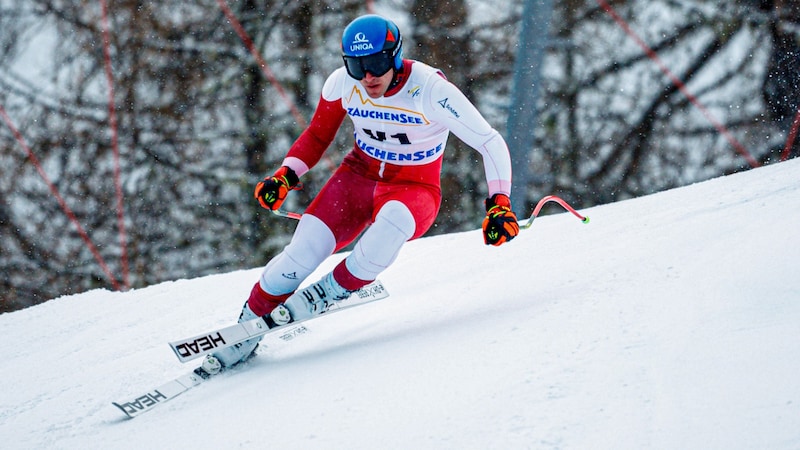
x=389, y=182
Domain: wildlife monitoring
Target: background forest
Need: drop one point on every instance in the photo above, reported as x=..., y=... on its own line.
x=155, y=141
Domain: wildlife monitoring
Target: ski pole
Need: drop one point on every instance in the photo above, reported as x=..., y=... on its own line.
x=287, y=214
x=542, y=202
x=524, y=226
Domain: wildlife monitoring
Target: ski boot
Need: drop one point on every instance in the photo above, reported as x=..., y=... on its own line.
x=304, y=303
x=241, y=352
x=315, y=298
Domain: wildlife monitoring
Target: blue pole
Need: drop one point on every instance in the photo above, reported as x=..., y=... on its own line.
x=522, y=117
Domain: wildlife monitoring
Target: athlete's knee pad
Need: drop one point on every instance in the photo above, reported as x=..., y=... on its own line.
x=311, y=244
x=379, y=245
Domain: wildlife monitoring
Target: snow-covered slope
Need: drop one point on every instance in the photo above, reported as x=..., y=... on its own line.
x=671, y=321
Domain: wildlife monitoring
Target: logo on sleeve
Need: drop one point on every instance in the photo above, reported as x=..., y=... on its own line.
x=444, y=104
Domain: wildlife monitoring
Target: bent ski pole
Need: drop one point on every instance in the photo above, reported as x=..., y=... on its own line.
x=542, y=202
x=522, y=225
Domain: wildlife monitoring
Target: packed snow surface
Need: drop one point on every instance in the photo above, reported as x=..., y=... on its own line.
x=670, y=321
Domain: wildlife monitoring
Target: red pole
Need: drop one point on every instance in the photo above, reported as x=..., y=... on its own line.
x=237, y=26
x=112, y=117
x=792, y=136
x=60, y=200
x=677, y=82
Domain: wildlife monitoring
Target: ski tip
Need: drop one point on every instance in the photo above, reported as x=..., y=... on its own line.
x=122, y=408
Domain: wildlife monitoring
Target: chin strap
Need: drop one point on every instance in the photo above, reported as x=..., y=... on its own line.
x=398, y=78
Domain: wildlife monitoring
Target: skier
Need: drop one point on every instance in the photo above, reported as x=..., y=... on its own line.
x=388, y=184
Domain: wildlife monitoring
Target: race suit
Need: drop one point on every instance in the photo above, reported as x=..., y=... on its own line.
x=389, y=183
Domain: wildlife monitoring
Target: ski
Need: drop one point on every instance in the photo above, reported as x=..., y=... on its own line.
x=167, y=391
x=171, y=389
x=152, y=398
x=203, y=344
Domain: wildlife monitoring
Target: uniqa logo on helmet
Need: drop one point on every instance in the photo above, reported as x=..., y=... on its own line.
x=360, y=43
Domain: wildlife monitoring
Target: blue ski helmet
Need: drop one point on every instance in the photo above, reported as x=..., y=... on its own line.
x=371, y=44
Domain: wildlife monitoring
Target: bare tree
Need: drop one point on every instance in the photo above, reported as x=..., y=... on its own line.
x=475, y=60
x=617, y=126
x=200, y=122
x=781, y=88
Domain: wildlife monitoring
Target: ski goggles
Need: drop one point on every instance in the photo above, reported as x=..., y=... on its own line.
x=377, y=64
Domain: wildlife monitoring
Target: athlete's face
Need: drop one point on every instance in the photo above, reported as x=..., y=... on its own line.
x=377, y=86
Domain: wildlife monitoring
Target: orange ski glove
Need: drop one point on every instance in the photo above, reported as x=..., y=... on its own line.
x=273, y=190
x=500, y=224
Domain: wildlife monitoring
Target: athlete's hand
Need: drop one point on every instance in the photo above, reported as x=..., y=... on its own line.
x=273, y=190
x=500, y=224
